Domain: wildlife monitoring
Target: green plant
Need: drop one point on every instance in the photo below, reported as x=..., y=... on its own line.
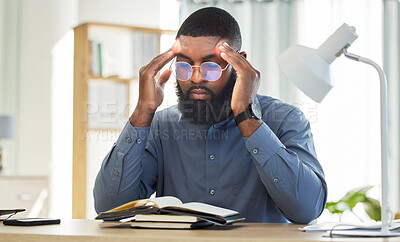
x=352, y=198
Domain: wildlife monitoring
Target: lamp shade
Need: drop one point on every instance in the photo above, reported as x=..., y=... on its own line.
x=6, y=127
x=309, y=69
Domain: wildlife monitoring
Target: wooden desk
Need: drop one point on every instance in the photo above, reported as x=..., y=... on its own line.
x=88, y=230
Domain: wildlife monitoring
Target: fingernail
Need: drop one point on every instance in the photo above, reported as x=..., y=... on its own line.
x=225, y=43
x=221, y=47
x=223, y=54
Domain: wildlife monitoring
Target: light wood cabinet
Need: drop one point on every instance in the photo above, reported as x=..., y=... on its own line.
x=107, y=59
x=30, y=193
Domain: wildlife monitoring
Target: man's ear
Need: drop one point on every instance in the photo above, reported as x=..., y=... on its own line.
x=243, y=53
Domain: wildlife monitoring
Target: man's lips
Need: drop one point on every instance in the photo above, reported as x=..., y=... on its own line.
x=199, y=94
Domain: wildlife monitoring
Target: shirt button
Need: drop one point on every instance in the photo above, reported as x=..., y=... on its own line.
x=212, y=157
x=276, y=180
x=116, y=173
x=212, y=192
x=255, y=151
x=139, y=141
x=129, y=140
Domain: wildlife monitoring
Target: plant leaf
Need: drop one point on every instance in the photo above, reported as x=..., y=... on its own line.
x=355, y=196
x=334, y=208
x=373, y=208
x=349, y=201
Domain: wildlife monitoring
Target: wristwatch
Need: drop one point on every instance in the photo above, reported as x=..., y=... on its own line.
x=251, y=112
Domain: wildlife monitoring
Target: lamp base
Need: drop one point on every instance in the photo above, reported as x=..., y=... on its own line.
x=364, y=233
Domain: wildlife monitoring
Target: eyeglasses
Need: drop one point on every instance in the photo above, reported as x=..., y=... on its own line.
x=183, y=71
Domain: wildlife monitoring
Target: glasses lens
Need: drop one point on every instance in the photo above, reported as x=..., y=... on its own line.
x=183, y=71
x=210, y=71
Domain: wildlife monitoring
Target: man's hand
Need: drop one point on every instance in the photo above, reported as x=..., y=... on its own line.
x=247, y=82
x=246, y=86
x=151, y=92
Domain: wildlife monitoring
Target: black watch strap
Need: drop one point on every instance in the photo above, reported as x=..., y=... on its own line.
x=243, y=116
x=251, y=112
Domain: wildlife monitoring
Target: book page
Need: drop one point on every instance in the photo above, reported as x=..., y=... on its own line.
x=207, y=208
x=130, y=205
x=153, y=202
x=166, y=201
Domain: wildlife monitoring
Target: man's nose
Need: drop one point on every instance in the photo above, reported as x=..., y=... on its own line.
x=196, y=77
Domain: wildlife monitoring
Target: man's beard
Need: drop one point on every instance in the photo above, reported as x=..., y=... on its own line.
x=215, y=110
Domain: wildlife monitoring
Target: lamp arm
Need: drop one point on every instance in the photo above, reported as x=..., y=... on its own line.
x=385, y=211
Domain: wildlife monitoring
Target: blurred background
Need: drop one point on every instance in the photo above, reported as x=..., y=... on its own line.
x=37, y=88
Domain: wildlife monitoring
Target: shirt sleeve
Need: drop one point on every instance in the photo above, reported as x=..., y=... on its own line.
x=288, y=167
x=121, y=178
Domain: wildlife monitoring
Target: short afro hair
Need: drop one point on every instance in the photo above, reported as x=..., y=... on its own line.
x=212, y=21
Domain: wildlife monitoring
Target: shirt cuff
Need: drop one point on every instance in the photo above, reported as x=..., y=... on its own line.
x=131, y=135
x=263, y=144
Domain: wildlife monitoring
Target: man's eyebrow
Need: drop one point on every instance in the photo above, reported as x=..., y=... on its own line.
x=209, y=56
x=182, y=55
x=204, y=58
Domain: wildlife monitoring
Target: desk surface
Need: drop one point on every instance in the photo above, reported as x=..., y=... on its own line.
x=88, y=230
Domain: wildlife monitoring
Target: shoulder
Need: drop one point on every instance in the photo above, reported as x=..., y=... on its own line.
x=276, y=107
x=278, y=114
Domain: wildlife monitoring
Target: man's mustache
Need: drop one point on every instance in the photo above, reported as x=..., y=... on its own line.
x=198, y=87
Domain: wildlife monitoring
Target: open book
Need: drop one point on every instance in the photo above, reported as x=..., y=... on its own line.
x=169, y=205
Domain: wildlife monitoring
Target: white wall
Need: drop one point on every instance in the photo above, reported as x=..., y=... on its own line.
x=2, y=50
x=9, y=30
x=8, y=72
x=43, y=23
x=38, y=27
x=117, y=12
x=127, y=12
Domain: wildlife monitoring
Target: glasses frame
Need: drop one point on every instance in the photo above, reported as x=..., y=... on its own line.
x=197, y=66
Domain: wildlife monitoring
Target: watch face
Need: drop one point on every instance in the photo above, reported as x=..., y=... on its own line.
x=255, y=110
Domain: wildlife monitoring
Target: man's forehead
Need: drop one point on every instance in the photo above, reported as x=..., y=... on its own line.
x=202, y=42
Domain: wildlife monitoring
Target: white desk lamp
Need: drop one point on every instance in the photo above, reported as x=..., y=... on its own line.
x=309, y=70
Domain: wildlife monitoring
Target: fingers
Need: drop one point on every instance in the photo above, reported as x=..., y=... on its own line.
x=247, y=81
x=155, y=65
x=176, y=46
x=237, y=61
x=162, y=59
x=164, y=77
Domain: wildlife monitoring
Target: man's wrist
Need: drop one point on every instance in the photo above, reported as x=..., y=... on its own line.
x=251, y=112
x=249, y=126
x=141, y=117
x=238, y=109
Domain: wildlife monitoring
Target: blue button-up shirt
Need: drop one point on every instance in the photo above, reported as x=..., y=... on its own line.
x=272, y=176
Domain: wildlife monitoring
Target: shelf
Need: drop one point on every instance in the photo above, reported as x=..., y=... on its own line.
x=102, y=101
x=120, y=27
x=111, y=78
